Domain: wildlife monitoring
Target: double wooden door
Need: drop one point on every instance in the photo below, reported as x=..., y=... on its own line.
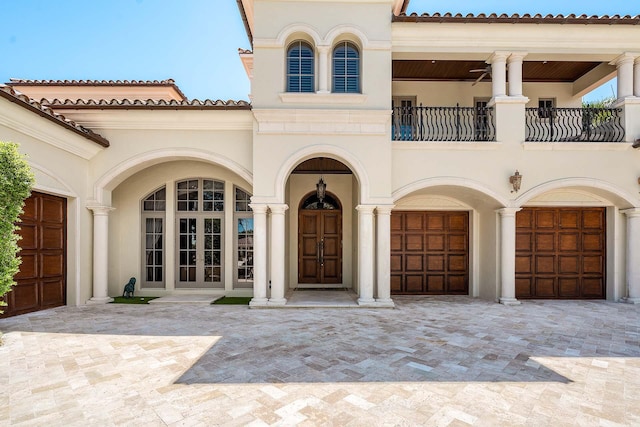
x=320, y=246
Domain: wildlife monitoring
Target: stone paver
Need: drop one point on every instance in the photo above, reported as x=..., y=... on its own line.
x=431, y=361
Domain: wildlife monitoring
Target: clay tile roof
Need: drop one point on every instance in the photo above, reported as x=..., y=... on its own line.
x=150, y=104
x=242, y=51
x=42, y=110
x=166, y=82
x=521, y=19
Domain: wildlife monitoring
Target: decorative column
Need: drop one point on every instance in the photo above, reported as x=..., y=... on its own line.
x=636, y=77
x=100, y=254
x=277, y=254
x=508, y=255
x=259, y=254
x=633, y=255
x=365, y=254
x=498, y=63
x=624, y=65
x=515, y=73
x=383, y=255
x=323, y=69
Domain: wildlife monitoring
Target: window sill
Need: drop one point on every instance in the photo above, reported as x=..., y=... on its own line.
x=322, y=98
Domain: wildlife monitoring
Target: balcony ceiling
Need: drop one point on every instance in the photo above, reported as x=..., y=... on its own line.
x=532, y=71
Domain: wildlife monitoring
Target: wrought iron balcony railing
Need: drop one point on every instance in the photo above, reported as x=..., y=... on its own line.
x=443, y=124
x=574, y=125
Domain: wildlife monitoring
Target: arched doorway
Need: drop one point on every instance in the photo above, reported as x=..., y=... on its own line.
x=320, y=240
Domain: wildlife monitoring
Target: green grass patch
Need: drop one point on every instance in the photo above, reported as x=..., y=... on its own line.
x=132, y=300
x=233, y=300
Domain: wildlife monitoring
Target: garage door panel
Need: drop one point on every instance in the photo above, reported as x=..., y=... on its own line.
x=545, y=287
x=592, y=265
x=414, y=263
x=523, y=242
x=28, y=267
x=52, y=293
x=415, y=282
x=52, y=237
x=415, y=242
x=458, y=242
x=545, y=242
x=25, y=297
x=569, y=265
x=568, y=287
x=568, y=241
x=435, y=284
x=545, y=264
x=545, y=219
x=53, y=209
x=568, y=252
x=29, y=237
x=524, y=286
x=30, y=209
x=430, y=252
x=592, y=287
x=569, y=219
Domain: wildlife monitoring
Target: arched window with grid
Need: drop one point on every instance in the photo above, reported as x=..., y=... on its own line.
x=346, y=68
x=300, y=67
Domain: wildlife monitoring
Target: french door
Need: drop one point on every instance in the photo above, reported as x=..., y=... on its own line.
x=320, y=246
x=199, y=251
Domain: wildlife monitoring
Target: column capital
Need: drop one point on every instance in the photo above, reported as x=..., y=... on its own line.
x=498, y=55
x=323, y=48
x=99, y=209
x=631, y=212
x=384, y=209
x=278, y=209
x=625, y=58
x=259, y=208
x=506, y=212
x=517, y=56
x=365, y=209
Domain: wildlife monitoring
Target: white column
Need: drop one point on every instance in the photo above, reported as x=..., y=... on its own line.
x=498, y=63
x=277, y=254
x=636, y=77
x=259, y=254
x=515, y=73
x=633, y=255
x=365, y=254
x=624, y=65
x=383, y=255
x=508, y=256
x=323, y=69
x=100, y=254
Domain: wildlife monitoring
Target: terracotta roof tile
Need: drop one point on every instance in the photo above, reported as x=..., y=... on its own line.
x=520, y=19
x=45, y=111
x=242, y=51
x=194, y=104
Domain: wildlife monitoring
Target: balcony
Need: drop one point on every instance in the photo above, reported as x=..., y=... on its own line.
x=574, y=125
x=443, y=124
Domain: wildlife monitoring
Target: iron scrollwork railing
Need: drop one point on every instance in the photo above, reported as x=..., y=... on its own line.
x=443, y=124
x=574, y=125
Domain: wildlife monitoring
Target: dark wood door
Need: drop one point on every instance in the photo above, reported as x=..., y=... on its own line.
x=41, y=281
x=430, y=253
x=560, y=253
x=320, y=246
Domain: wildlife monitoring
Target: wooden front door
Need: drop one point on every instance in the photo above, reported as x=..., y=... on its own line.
x=430, y=253
x=560, y=253
x=320, y=246
x=41, y=281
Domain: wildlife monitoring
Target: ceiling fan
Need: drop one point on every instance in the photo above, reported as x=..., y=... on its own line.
x=485, y=71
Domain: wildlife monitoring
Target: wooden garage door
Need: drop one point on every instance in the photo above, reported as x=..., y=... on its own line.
x=41, y=282
x=430, y=253
x=560, y=253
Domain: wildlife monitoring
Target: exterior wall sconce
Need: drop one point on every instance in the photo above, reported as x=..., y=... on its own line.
x=515, y=180
x=321, y=189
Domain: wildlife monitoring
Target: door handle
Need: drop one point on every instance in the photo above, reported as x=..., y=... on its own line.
x=322, y=253
x=318, y=253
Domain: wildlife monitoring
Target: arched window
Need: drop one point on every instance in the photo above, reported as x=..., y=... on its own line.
x=346, y=68
x=300, y=68
x=153, y=245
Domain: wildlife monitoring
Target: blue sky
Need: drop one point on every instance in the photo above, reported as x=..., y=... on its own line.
x=192, y=41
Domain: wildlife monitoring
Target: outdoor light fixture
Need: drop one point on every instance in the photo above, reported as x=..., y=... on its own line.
x=515, y=180
x=321, y=189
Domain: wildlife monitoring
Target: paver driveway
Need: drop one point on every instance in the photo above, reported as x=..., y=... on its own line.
x=432, y=361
